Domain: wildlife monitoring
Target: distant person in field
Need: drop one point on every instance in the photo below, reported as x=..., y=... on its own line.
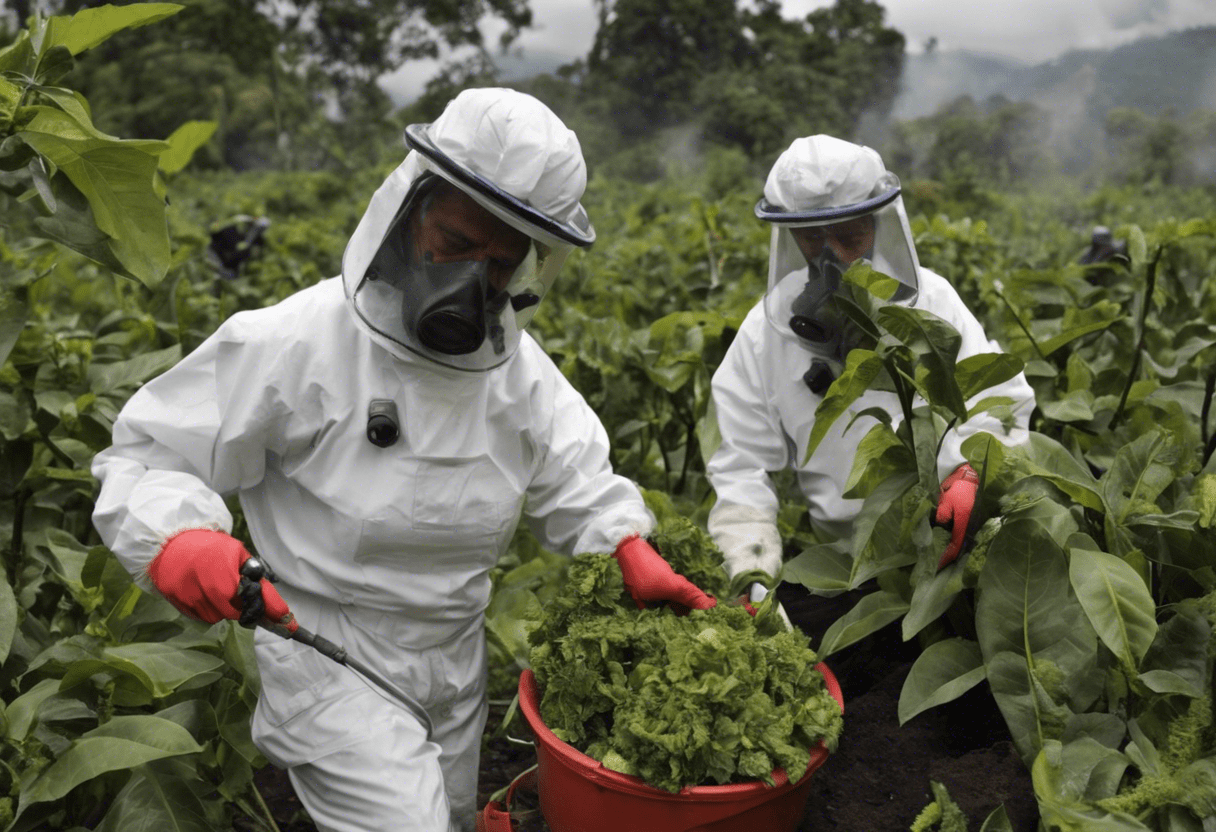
x=830, y=203
x=385, y=431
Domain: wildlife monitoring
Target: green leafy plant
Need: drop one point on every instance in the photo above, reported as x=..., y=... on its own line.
x=1084, y=602
x=712, y=697
x=93, y=193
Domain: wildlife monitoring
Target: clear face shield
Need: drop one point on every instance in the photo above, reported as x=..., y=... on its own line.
x=466, y=313
x=809, y=254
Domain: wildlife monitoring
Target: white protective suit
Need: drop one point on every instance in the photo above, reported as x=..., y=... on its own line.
x=384, y=550
x=766, y=410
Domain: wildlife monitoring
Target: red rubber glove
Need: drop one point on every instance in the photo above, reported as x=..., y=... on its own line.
x=650, y=578
x=198, y=571
x=954, y=506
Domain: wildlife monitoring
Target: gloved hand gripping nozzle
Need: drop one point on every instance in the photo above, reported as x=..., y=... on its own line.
x=253, y=610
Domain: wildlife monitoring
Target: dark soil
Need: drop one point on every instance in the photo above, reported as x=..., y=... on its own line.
x=879, y=777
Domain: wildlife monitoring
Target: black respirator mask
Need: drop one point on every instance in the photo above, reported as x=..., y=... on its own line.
x=816, y=318
x=814, y=314
x=450, y=307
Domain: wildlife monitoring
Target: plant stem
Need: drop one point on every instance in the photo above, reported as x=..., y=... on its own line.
x=905, y=404
x=16, y=543
x=1208, y=391
x=1150, y=284
x=269, y=818
x=1018, y=320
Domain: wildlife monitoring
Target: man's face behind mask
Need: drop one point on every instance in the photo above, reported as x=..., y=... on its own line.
x=829, y=251
x=461, y=257
x=848, y=240
x=452, y=228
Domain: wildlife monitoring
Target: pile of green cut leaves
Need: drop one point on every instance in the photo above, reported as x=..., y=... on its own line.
x=712, y=697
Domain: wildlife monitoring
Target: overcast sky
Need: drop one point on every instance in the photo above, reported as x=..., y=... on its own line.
x=1029, y=30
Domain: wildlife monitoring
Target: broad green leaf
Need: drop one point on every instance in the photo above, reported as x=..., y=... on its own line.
x=821, y=567
x=986, y=454
x=54, y=63
x=861, y=368
x=72, y=225
x=709, y=437
x=1061, y=808
x=875, y=282
x=22, y=710
x=942, y=673
x=1073, y=407
x=12, y=320
x=1025, y=609
x=183, y=143
x=1165, y=681
x=1025, y=604
x=194, y=714
x=878, y=414
x=1137, y=246
x=1184, y=520
x=989, y=403
x=10, y=95
x=1044, y=457
x=167, y=666
x=8, y=615
x=1142, y=752
x=997, y=821
x=1204, y=494
x=1106, y=729
x=888, y=494
x=512, y=608
x=233, y=708
x=116, y=177
x=1032, y=716
x=158, y=798
x=105, y=378
x=873, y=612
x=239, y=655
x=68, y=555
x=13, y=416
x=926, y=439
x=1141, y=471
x=880, y=455
x=930, y=600
x=19, y=56
x=976, y=373
x=1065, y=338
x=1176, y=661
x=935, y=344
x=1116, y=601
x=1198, y=782
x=71, y=102
x=1090, y=771
x=135, y=680
x=122, y=743
x=90, y=27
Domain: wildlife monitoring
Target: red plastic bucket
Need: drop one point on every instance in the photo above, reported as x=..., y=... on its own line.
x=577, y=794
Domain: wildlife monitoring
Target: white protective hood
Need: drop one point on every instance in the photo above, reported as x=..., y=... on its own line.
x=515, y=157
x=821, y=181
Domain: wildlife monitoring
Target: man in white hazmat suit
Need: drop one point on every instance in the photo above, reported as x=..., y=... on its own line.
x=385, y=430
x=831, y=203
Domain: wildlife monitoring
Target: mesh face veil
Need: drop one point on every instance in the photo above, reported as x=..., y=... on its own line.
x=831, y=203
x=512, y=156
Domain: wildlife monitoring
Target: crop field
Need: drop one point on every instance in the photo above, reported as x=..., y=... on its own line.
x=1070, y=651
